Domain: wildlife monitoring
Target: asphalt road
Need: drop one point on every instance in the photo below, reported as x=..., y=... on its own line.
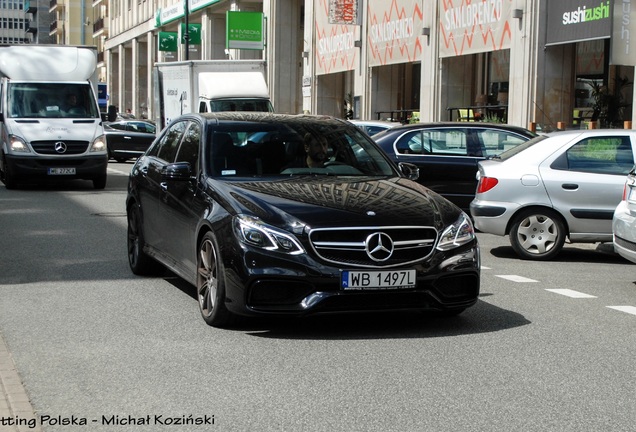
x=549, y=346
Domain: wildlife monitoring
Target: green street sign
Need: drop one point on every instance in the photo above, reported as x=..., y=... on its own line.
x=194, y=33
x=245, y=30
x=168, y=41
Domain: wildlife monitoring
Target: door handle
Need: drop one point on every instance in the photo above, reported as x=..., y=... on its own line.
x=163, y=186
x=570, y=186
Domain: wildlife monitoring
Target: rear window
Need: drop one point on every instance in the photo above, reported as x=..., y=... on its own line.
x=521, y=147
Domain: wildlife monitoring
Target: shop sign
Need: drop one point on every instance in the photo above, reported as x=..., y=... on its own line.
x=470, y=27
x=624, y=33
x=177, y=10
x=335, y=49
x=194, y=5
x=166, y=15
x=194, y=33
x=344, y=12
x=394, y=32
x=244, y=30
x=168, y=41
x=578, y=20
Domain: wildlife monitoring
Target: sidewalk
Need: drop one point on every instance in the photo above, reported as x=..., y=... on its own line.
x=14, y=402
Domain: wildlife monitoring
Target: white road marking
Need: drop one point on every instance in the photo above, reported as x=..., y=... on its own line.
x=571, y=293
x=485, y=268
x=515, y=278
x=626, y=309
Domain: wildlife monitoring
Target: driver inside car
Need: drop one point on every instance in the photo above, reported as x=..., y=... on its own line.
x=316, y=152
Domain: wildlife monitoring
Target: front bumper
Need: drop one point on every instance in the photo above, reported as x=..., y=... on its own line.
x=37, y=167
x=447, y=281
x=624, y=232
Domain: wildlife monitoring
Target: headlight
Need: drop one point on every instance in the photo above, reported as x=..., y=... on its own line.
x=99, y=144
x=255, y=232
x=457, y=234
x=18, y=145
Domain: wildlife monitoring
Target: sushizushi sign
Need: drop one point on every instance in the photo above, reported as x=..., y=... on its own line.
x=245, y=30
x=578, y=20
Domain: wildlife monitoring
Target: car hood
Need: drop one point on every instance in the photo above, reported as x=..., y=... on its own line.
x=323, y=201
x=56, y=129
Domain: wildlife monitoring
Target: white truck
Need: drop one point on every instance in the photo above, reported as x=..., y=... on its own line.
x=209, y=86
x=50, y=124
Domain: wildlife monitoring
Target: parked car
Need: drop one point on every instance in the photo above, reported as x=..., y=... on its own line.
x=128, y=139
x=558, y=186
x=372, y=127
x=259, y=235
x=624, y=220
x=447, y=153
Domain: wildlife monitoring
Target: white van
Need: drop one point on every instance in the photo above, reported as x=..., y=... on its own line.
x=50, y=124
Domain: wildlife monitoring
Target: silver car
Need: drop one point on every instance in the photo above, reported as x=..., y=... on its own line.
x=624, y=221
x=564, y=185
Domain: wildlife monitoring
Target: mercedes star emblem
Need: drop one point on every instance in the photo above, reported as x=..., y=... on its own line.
x=379, y=246
x=60, y=147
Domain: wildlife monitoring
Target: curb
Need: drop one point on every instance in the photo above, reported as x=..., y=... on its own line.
x=15, y=406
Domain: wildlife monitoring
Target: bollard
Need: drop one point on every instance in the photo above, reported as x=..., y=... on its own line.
x=532, y=126
x=627, y=124
x=561, y=125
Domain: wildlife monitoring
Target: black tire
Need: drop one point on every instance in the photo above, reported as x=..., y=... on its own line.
x=537, y=234
x=99, y=182
x=7, y=176
x=140, y=263
x=211, y=284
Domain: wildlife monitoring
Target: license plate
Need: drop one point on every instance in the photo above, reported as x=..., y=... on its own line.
x=386, y=279
x=61, y=171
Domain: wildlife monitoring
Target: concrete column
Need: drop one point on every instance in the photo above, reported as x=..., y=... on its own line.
x=134, y=79
x=150, y=60
x=430, y=91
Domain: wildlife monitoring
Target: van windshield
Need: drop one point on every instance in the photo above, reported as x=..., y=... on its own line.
x=242, y=104
x=39, y=100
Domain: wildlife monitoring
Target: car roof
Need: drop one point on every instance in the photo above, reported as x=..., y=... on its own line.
x=265, y=117
x=470, y=125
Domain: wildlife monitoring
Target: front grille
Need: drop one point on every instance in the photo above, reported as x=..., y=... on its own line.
x=625, y=244
x=373, y=246
x=48, y=147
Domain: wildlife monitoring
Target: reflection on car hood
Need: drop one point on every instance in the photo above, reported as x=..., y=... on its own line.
x=325, y=201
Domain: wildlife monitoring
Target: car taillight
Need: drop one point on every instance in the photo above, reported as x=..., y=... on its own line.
x=625, y=193
x=486, y=183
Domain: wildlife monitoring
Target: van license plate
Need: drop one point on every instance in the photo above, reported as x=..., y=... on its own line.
x=362, y=280
x=61, y=171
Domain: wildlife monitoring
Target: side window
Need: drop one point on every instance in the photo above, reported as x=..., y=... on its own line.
x=412, y=143
x=118, y=126
x=495, y=142
x=601, y=155
x=450, y=142
x=189, y=149
x=166, y=148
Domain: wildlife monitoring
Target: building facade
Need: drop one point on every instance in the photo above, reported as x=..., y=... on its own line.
x=554, y=63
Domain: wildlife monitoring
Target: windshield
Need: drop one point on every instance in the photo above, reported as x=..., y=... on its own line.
x=40, y=100
x=260, y=105
x=295, y=148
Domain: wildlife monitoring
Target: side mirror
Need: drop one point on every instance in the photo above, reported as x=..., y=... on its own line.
x=410, y=171
x=179, y=171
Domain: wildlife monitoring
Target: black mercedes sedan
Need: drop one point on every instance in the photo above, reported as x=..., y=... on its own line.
x=447, y=153
x=128, y=139
x=271, y=214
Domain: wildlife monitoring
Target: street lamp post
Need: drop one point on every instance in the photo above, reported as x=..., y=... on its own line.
x=186, y=34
